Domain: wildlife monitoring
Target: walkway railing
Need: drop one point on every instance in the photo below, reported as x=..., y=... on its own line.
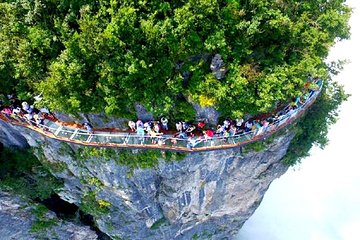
x=62, y=132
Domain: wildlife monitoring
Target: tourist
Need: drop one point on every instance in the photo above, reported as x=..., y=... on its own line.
x=7, y=111
x=156, y=127
x=226, y=124
x=154, y=136
x=139, y=123
x=190, y=129
x=164, y=123
x=16, y=111
x=88, y=127
x=265, y=125
x=220, y=130
x=178, y=126
x=147, y=127
x=239, y=122
x=27, y=108
x=233, y=130
x=208, y=134
x=39, y=119
x=248, y=126
x=140, y=131
x=201, y=125
x=132, y=125
x=185, y=125
x=186, y=130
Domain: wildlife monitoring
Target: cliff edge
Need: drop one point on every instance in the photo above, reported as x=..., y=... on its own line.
x=199, y=195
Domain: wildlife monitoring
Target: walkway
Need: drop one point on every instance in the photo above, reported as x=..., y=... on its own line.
x=68, y=132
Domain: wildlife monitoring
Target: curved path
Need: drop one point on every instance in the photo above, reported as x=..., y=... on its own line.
x=68, y=132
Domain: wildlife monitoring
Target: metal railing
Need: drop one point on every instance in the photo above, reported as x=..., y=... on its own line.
x=60, y=131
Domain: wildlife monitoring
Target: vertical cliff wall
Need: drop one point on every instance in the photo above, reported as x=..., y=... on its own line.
x=203, y=195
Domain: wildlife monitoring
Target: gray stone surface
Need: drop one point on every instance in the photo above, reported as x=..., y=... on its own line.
x=217, y=66
x=67, y=117
x=99, y=120
x=17, y=218
x=142, y=113
x=11, y=137
x=209, y=194
x=209, y=113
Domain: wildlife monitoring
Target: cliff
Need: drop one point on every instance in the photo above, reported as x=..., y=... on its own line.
x=20, y=219
x=173, y=196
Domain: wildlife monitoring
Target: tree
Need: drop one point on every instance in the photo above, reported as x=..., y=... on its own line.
x=91, y=56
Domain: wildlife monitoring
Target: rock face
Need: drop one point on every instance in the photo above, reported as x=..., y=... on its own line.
x=97, y=120
x=206, y=195
x=209, y=113
x=217, y=67
x=17, y=221
x=11, y=137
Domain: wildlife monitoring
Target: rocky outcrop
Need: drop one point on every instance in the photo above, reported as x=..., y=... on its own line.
x=210, y=114
x=11, y=137
x=99, y=120
x=206, y=195
x=20, y=219
x=218, y=67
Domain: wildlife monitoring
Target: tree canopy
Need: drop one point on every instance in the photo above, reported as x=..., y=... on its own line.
x=105, y=55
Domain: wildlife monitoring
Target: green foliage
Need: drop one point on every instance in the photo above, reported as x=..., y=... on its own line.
x=142, y=159
x=195, y=237
x=257, y=146
x=170, y=155
x=133, y=159
x=53, y=167
x=94, y=56
x=106, y=154
x=22, y=173
x=203, y=235
x=263, y=144
x=93, y=206
x=158, y=223
x=42, y=225
x=92, y=181
x=110, y=226
x=42, y=222
x=183, y=111
x=313, y=128
x=65, y=149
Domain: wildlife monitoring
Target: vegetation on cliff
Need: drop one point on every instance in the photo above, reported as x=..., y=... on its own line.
x=91, y=56
x=22, y=173
x=310, y=129
x=313, y=128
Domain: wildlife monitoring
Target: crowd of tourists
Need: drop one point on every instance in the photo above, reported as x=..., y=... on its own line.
x=158, y=130
x=197, y=132
x=24, y=111
x=200, y=131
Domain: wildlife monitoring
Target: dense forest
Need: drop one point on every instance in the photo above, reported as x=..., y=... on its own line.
x=105, y=55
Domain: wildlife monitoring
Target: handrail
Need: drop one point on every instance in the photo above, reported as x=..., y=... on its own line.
x=101, y=138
